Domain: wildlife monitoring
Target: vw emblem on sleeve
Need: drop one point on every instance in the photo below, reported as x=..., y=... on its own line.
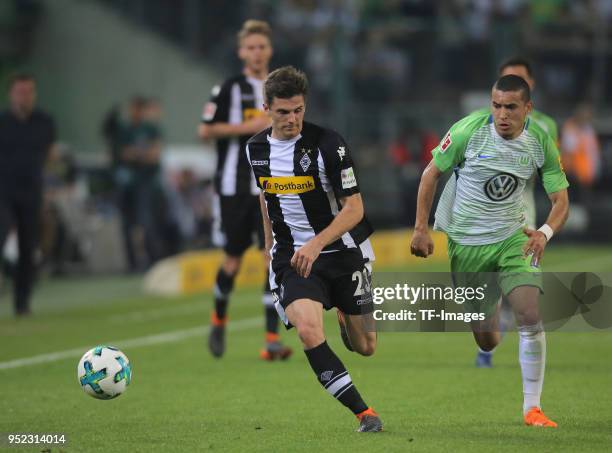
x=500, y=186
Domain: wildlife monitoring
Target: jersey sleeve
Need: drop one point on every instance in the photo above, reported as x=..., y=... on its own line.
x=451, y=150
x=551, y=172
x=216, y=110
x=339, y=165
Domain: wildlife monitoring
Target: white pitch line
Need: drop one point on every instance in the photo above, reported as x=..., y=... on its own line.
x=168, y=337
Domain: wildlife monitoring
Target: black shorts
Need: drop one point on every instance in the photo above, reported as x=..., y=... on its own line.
x=338, y=279
x=237, y=220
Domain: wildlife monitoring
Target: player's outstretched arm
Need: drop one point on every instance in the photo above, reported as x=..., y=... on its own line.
x=349, y=216
x=556, y=219
x=422, y=244
x=210, y=131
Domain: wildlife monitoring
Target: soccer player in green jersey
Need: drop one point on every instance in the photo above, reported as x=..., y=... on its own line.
x=482, y=212
x=521, y=67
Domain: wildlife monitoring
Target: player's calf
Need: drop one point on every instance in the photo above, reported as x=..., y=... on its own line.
x=336, y=380
x=224, y=284
x=343, y=331
x=486, y=333
x=365, y=344
x=361, y=330
x=487, y=341
x=306, y=316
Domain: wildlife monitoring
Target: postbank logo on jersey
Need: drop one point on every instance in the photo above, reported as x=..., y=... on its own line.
x=287, y=185
x=250, y=113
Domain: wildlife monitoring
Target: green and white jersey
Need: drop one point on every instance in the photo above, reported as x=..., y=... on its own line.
x=482, y=202
x=550, y=127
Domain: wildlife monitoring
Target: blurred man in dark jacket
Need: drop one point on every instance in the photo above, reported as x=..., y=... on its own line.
x=26, y=135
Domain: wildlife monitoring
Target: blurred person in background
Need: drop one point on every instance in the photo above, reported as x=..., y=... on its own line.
x=58, y=242
x=189, y=211
x=580, y=149
x=111, y=133
x=153, y=111
x=138, y=180
x=26, y=136
x=520, y=66
x=233, y=114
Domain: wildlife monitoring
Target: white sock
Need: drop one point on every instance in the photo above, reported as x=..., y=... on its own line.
x=532, y=357
x=486, y=352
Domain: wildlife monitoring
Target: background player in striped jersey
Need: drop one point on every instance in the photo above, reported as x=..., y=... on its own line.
x=482, y=212
x=317, y=235
x=521, y=67
x=233, y=114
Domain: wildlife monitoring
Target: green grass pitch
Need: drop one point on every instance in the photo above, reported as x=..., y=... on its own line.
x=424, y=385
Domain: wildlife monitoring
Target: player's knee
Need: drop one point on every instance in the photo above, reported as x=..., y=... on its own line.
x=231, y=265
x=528, y=317
x=310, y=333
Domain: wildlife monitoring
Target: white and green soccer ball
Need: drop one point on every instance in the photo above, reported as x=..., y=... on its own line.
x=104, y=372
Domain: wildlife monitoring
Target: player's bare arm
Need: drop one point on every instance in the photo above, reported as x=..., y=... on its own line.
x=267, y=226
x=422, y=244
x=225, y=130
x=349, y=216
x=556, y=219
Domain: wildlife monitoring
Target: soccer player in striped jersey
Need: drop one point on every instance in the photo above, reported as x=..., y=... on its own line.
x=233, y=114
x=521, y=67
x=317, y=235
x=482, y=212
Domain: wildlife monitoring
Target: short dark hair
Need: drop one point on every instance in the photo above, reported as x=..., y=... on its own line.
x=517, y=61
x=284, y=83
x=513, y=83
x=19, y=77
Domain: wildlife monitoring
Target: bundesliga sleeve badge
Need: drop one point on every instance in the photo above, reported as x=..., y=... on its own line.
x=446, y=142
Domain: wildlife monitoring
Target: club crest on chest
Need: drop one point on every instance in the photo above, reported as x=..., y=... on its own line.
x=305, y=161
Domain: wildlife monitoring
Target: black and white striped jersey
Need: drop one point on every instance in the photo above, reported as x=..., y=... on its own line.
x=237, y=100
x=303, y=180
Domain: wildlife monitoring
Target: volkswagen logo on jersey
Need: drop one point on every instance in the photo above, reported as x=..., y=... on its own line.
x=500, y=186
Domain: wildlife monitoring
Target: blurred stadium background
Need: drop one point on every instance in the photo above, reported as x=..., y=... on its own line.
x=391, y=76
